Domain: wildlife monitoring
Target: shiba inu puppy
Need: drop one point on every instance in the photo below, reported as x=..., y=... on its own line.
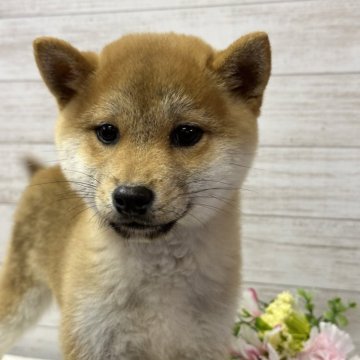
x=136, y=232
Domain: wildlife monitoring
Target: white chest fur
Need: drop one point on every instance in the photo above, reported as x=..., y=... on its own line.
x=169, y=300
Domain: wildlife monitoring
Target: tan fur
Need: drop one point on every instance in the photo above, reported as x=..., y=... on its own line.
x=166, y=298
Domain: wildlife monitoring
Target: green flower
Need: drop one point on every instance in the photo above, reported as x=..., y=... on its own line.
x=298, y=329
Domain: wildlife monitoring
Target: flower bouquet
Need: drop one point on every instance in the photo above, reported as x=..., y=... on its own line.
x=288, y=328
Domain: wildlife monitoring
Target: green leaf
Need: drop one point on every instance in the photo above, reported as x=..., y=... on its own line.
x=328, y=316
x=236, y=329
x=342, y=320
x=336, y=311
x=305, y=295
x=262, y=325
x=245, y=313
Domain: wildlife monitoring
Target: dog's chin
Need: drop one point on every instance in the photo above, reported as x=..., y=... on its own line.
x=141, y=230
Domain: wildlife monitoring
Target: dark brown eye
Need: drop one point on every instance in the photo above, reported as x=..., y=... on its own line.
x=108, y=134
x=186, y=135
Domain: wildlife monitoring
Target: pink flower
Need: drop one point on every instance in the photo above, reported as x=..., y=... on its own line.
x=250, y=302
x=328, y=344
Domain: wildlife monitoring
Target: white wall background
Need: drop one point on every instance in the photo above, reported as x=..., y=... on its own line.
x=302, y=214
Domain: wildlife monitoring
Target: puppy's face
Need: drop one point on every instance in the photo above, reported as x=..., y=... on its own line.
x=157, y=130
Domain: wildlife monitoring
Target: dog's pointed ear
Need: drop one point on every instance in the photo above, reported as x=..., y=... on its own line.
x=244, y=67
x=63, y=68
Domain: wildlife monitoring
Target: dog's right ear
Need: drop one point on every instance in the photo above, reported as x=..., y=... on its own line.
x=244, y=67
x=63, y=68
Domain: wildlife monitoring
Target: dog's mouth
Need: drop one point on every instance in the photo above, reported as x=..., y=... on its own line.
x=134, y=228
x=142, y=228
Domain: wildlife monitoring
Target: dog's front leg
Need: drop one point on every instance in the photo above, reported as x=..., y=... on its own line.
x=70, y=346
x=23, y=297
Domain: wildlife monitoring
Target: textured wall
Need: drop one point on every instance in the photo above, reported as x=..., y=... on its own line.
x=301, y=220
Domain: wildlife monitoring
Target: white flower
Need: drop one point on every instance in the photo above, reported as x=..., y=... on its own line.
x=273, y=355
x=248, y=345
x=250, y=302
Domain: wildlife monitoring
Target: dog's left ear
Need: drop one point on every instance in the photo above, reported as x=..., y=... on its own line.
x=244, y=67
x=63, y=68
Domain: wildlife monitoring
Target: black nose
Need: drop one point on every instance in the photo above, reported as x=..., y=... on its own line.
x=132, y=200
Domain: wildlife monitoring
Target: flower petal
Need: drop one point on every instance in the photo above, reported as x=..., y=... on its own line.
x=250, y=302
x=273, y=355
x=341, y=340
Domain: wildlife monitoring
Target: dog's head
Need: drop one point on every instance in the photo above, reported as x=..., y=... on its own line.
x=157, y=128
